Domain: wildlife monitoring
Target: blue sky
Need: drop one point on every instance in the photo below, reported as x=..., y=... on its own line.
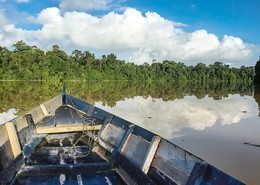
x=139, y=31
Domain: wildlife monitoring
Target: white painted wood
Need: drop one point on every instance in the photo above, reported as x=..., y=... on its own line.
x=151, y=153
x=16, y=148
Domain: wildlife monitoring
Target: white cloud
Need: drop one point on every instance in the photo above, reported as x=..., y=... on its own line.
x=142, y=36
x=22, y=1
x=84, y=5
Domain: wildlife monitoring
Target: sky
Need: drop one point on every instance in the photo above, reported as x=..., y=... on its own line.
x=139, y=31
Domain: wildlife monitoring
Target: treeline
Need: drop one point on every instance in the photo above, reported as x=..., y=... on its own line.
x=31, y=63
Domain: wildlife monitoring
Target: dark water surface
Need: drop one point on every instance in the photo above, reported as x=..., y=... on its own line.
x=218, y=123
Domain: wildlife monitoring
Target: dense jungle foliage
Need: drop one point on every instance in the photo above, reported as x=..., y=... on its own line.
x=31, y=63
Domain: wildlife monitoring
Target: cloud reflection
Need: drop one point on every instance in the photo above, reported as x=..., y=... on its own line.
x=170, y=118
x=6, y=116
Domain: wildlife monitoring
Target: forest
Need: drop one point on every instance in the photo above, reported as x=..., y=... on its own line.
x=26, y=62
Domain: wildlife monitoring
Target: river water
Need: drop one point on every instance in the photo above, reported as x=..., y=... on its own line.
x=217, y=123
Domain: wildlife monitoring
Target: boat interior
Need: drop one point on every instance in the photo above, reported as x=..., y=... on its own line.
x=68, y=141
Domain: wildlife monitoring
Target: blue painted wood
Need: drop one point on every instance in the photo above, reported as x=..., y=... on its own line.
x=205, y=174
x=29, y=148
x=147, y=135
x=135, y=173
x=127, y=133
x=159, y=178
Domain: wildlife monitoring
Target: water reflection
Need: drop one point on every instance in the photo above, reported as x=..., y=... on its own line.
x=257, y=96
x=6, y=116
x=172, y=118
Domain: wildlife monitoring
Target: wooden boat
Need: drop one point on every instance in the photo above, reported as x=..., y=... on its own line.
x=68, y=141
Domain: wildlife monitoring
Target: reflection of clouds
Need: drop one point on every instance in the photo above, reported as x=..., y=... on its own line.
x=6, y=116
x=168, y=119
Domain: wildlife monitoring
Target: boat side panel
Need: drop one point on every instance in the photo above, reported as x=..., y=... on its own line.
x=37, y=114
x=173, y=162
x=6, y=156
x=46, y=109
x=206, y=174
x=53, y=104
x=112, y=134
x=131, y=169
x=26, y=132
x=20, y=123
x=3, y=135
x=136, y=149
x=77, y=103
x=180, y=158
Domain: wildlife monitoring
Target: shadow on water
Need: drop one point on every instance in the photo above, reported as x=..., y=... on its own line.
x=24, y=95
x=257, y=96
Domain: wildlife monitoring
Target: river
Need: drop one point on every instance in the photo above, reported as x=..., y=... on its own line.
x=218, y=123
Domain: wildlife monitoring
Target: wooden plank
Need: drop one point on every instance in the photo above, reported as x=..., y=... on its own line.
x=66, y=128
x=44, y=110
x=169, y=170
x=28, y=149
x=35, y=170
x=204, y=173
x=151, y=153
x=16, y=148
x=135, y=149
x=197, y=173
x=123, y=148
x=160, y=178
x=112, y=135
x=131, y=169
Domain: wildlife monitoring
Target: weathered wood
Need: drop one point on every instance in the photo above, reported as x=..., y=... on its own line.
x=112, y=135
x=197, y=173
x=126, y=137
x=44, y=110
x=53, y=104
x=131, y=169
x=65, y=128
x=20, y=123
x=37, y=114
x=34, y=170
x=3, y=135
x=160, y=178
x=6, y=155
x=16, y=148
x=151, y=153
x=204, y=173
x=28, y=149
x=125, y=176
x=176, y=156
x=7, y=175
x=169, y=170
x=135, y=149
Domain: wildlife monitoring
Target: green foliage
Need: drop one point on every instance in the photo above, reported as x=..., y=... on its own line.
x=30, y=63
